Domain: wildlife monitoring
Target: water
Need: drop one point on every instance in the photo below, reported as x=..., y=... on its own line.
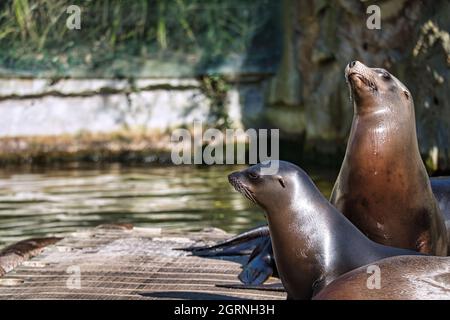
x=49, y=201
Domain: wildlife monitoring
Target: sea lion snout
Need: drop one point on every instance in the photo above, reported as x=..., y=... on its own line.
x=235, y=180
x=356, y=70
x=361, y=80
x=353, y=66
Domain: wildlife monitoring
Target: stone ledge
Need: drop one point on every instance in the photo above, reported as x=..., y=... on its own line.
x=17, y=88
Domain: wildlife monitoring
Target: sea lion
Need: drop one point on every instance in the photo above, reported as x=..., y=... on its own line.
x=313, y=243
x=401, y=278
x=383, y=187
x=14, y=254
x=441, y=190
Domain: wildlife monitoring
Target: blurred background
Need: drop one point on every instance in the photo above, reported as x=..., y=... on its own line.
x=86, y=114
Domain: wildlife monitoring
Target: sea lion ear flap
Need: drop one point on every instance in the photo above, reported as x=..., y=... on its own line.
x=281, y=181
x=406, y=94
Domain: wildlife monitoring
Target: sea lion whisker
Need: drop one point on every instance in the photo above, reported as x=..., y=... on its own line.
x=248, y=194
x=243, y=189
x=363, y=79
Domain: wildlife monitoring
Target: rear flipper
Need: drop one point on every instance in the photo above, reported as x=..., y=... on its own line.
x=256, y=243
x=261, y=265
x=242, y=244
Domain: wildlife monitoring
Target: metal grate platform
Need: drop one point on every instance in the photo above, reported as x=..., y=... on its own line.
x=122, y=262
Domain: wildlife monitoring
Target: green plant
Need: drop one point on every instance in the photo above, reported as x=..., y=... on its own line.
x=194, y=30
x=216, y=88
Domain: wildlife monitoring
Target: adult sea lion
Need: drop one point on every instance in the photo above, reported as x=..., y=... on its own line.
x=401, y=278
x=383, y=187
x=313, y=243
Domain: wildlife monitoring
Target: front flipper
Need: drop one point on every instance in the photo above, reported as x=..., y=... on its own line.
x=242, y=244
x=261, y=265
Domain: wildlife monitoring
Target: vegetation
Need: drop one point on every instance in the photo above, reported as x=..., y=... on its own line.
x=34, y=36
x=216, y=89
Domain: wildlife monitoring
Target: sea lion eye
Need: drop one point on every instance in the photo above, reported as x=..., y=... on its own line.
x=253, y=175
x=386, y=75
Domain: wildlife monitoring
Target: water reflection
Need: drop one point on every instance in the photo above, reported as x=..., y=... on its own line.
x=36, y=202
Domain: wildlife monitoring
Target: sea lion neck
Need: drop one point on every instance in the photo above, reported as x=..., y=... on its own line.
x=365, y=107
x=374, y=135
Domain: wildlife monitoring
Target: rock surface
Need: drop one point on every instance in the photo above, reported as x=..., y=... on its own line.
x=413, y=44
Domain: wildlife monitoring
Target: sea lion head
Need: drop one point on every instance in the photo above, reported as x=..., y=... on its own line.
x=270, y=191
x=375, y=88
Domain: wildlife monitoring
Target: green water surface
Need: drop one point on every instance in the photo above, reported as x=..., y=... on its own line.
x=49, y=201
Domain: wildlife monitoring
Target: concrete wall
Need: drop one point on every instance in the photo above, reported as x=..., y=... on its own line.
x=38, y=107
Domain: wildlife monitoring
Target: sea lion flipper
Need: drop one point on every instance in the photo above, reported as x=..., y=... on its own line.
x=260, y=266
x=255, y=274
x=242, y=244
x=256, y=243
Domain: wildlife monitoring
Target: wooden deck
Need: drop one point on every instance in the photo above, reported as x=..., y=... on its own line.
x=122, y=262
